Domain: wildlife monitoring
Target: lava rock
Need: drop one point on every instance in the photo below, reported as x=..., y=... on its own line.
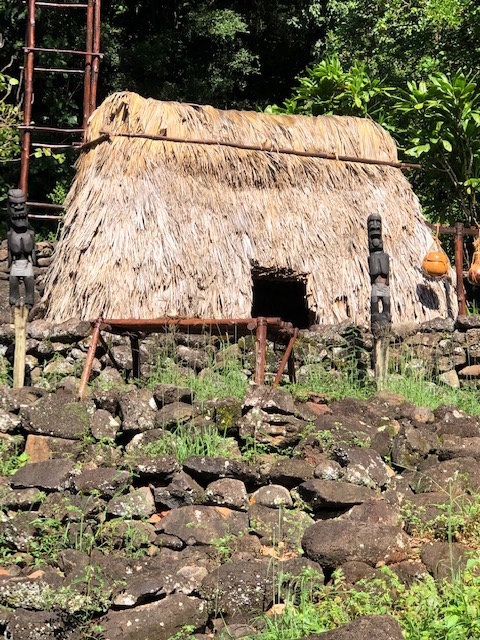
x=227, y=492
x=269, y=399
x=328, y=494
x=272, y=496
x=198, y=525
x=107, y=480
x=169, y=393
x=207, y=469
x=51, y=475
x=136, y=504
x=382, y=627
x=180, y=492
x=137, y=409
x=157, y=620
x=332, y=543
x=52, y=416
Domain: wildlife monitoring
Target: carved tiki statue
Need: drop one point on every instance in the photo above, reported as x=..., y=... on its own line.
x=379, y=267
x=21, y=249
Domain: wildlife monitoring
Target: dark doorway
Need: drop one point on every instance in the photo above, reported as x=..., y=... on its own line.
x=278, y=297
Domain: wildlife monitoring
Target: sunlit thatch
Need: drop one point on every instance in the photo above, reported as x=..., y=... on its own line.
x=156, y=228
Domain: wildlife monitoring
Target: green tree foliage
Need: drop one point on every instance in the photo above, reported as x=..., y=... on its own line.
x=237, y=53
x=327, y=88
x=436, y=121
x=404, y=40
x=9, y=133
x=441, y=122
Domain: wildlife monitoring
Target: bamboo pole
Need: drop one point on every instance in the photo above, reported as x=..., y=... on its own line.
x=20, y=315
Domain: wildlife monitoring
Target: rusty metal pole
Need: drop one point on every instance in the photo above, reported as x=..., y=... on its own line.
x=285, y=359
x=96, y=59
x=87, y=85
x=261, y=350
x=28, y=98
x=462, y=307
x=82, y=388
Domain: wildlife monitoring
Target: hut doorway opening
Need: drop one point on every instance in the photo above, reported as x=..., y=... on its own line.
x=279, y=294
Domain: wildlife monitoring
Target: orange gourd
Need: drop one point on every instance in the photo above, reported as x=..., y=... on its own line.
x=436, y=263
x=473, y=275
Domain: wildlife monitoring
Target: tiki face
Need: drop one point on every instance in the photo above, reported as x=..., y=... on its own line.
x=374, y=225
x=17, y=208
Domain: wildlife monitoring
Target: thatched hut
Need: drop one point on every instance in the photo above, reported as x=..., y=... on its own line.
x=157, y=228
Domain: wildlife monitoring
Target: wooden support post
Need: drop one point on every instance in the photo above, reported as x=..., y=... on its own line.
x=287, y=357
x=109, y=353
x=462, y=307
x=20, y=315
x=381, y=346
x=134, y=342
x=261, y=350
x=82, y=389
x=291, y=368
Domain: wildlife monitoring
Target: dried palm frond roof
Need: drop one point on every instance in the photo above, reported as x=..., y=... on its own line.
x=156, y=228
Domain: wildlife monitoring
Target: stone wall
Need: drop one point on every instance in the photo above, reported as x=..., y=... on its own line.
x=438, y=349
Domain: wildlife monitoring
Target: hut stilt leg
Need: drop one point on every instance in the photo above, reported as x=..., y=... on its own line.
x=20, y=315
x=287, y=357
x=135, y=346
x=291, y=368
x=261, y=350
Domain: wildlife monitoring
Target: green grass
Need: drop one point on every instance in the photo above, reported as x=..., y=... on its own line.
x=334, y=385
x=426, y=610
x=219, y=382
x=5, y=377
x=458, y=520
x=421, y=391
x=416, y=387
x=10, y=458
x=187, y=440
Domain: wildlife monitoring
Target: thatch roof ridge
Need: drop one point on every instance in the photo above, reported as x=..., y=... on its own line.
x=155, y=228
x=342, y=135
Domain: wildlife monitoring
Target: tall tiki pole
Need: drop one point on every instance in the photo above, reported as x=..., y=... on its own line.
x=380, y=316
x=21, y=259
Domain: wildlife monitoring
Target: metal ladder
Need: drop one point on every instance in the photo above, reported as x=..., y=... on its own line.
x=91, y=56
